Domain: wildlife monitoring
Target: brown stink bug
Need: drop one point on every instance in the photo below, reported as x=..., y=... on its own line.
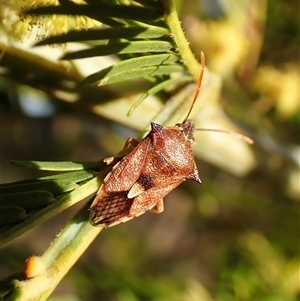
x=142, y=178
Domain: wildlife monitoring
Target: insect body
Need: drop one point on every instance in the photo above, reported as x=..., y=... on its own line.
x=159, y=163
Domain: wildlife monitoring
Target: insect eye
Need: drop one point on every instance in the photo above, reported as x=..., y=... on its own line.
x=180, y=127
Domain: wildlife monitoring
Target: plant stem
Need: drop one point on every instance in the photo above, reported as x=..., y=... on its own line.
x=46, y=272
x=172, y=20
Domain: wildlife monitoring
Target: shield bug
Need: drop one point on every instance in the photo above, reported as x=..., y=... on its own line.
x=140, y=179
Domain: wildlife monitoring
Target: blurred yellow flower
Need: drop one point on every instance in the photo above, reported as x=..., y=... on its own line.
x=20, y=26
x=278, y=88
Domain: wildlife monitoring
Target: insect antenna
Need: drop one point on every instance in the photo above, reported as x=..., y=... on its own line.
x=202, y=58
x=239, y=136
x=234, y=134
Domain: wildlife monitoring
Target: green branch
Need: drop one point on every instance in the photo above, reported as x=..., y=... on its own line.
x=44, y=273
x=171, y=18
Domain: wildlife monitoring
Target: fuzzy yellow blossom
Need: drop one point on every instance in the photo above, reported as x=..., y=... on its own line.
x=224, y=44
x=279, y=88
x=20, y=26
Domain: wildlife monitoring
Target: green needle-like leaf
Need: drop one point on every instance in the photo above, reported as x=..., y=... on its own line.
x=136, y=67
x=27, y=200
x=58, y=166
x=11, y=214
x=131, y=74
x=151, y=32
x=56, y=184
x=119, y=48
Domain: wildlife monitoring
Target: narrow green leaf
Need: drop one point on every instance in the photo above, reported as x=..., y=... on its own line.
x=131, y=74
x=27, y=200
x=140, y=62
x=149, y=65
x=74, y=176
x=11, y=214
x=119, y=48
x=106, y=34
x=151, y=32
x=55, y=184
x=111, y=22
x=158, y=88
x=58, y=166
x=97, y=10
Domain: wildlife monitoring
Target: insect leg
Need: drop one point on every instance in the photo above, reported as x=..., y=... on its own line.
x=130, y=141
x=158, y=208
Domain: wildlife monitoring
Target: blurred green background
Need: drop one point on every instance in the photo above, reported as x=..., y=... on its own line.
x=232, y=238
